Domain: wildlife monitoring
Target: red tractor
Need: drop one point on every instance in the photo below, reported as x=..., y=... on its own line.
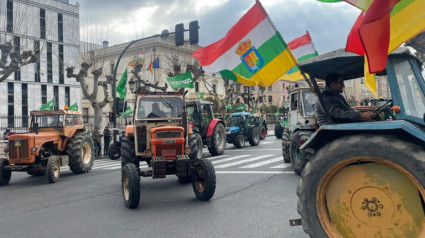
x=210, y=131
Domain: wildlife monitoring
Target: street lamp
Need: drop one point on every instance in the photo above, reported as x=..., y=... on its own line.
x=132, y=85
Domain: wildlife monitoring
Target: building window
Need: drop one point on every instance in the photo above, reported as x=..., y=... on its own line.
x=10, y=105
x=42, y=23
x=61, y=71
x=270, y=88
x=245, y=89
x=24, y=105
x=270, y=99
x=9, y=24
x=56, y=96
x=37, y=63
x=67, y=98
x=60, y=27
x=49, y=63
x=43, y=94
x=196, y=86
x=112, y=68
x=85, y=115
x=17, y=49
x=214, y=88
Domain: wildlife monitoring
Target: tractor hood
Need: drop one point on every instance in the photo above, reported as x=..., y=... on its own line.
x=233, y=130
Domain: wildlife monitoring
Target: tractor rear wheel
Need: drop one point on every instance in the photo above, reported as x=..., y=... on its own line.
x=128, y=153
x=53, y=169
x=363, y=185
x=278, y=130
x=194, y=149
x=299, y=159
x=239, y=141
x=114, y=151
x=286, y=143
x=263, y=133
x=204, y=179
x=5, y=174
x=81, y=153
x=254, y=136
x=218, y=140
x=130, y=182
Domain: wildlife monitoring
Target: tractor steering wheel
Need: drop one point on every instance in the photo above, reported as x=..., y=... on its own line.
x=382, y=108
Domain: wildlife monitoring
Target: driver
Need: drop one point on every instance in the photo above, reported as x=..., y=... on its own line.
x=157, y=111
x=339, y=110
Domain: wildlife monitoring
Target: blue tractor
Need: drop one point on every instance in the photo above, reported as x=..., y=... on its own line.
x=243, y=126
x=367, y=179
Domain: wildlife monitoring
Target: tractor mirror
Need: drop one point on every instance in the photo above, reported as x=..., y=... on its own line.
x=36, y=127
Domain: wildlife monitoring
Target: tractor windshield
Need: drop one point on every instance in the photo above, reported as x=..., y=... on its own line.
x=411, y=93
x=48, y=120
x=235, y=121
x=309, y=98
x=159, y=107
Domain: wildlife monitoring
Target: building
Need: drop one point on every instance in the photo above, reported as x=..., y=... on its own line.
x=167, y=56
x=356, y=90
x=50, y=27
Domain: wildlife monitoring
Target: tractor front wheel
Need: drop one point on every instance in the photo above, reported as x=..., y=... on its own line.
x=130, y=182
x=278, y=130
x=194, y=140
x=254, y=136
x=239, y=141
x=53, y=169
x=286, y=143
x=299, y=159
x=204, y=180
x=364, y=185
x=218, y=140
x=5, y=174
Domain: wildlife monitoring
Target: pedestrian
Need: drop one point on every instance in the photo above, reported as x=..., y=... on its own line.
x=265, y=126
x=6, y=134
x=96, y=139
x=106, y=140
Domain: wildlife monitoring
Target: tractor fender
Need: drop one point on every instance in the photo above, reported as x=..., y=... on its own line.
x=212, y=125
x=403, y=129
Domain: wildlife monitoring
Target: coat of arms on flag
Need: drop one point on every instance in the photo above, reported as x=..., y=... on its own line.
x=250, y=56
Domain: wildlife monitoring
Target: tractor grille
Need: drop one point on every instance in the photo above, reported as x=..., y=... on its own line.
x=177, y=148
x=168, y=134
x=18, y=152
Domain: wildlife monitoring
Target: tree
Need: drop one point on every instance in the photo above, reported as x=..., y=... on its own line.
x=92, y=97
x=13, y=58
x=136, y=74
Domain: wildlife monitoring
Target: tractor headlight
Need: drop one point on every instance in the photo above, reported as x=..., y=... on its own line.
x=34, y=148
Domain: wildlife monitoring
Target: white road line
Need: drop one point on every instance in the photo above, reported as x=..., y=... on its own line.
x=262, y=163
x=256, y=149
x=281, y=166
x=254, y=172
x=217, y=157
x=229, y=159
x=241, y=161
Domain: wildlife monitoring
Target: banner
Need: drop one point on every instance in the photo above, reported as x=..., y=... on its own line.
x=127, y=112
x=122, y=85
x=228, y=106
x=181, y=81
x=241, y=107
x=200, y=95
x=48, y=106
x=73, y=107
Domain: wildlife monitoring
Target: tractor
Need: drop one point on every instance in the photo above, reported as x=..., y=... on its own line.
x=243, y=127
x=56, y=138
x=367, y=179
x=160, y=136
x=209, y=131
x=301, y=124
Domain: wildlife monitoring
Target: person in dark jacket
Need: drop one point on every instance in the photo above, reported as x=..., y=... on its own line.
x=339, y=110
x=106, y=140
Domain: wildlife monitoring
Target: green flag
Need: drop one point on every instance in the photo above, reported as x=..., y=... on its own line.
x=228, y=106
x=276, y=114
x=73, y=107
x=181, y=81
x=122, y=85
x=200, y=95
x=127, y=112
x=241, y=107
x=48, y=105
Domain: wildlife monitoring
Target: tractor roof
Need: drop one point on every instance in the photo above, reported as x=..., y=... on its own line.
x=55, y=112
x=238, y=114
x=348, y=64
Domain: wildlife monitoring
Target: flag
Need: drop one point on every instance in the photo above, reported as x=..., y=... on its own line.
x=302, y=48
x=48, y=105
x=276, y=114
x=252, y=52
x=150, y=67
x=362, y=4
x=127, y=112
x=140, y=58
x=370, y=81
x=228, y=106
x=181, y=81
x=156, y=63
x=122, y=85
x=200, y=95
x=73, y=107
x=241, y=107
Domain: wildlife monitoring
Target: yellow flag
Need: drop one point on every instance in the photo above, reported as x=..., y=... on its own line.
x=370, y=81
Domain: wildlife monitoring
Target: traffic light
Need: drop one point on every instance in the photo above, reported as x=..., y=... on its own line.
x=119, y=105
x=179, y=34
x=111, y=117
x=193, y=32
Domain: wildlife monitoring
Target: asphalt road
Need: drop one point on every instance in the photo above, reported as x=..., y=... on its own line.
x=255, y=197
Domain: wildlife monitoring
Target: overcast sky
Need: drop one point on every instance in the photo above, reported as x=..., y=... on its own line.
x=126, y=20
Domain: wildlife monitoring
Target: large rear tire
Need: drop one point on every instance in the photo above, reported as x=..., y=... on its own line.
x=80, y=149
x=364, y=185
x=128, y=153
x=204, y=179
x=286, y=143
x=254, y=136
x=5, y=174
x=194, y=150
x=299, y=159
x=263, y=133
x=114, y=151
x=53, y=169
x=278, y=130
x=218, y=140
x=130, y=183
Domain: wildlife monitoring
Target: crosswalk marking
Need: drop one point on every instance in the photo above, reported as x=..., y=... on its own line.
x=218, y=157
x=262, y=163
x=241, y=161
x=281, y=166
x=229, y=159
